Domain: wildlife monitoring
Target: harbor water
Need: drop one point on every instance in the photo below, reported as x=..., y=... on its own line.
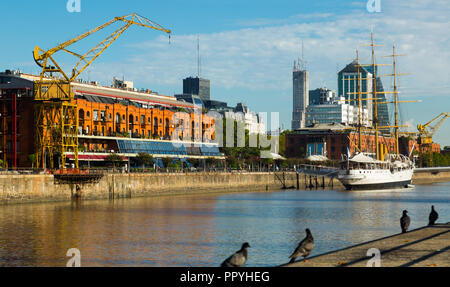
x=203, y=230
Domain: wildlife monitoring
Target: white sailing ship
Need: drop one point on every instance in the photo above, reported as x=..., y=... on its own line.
x=363, y=172
x=385, y=171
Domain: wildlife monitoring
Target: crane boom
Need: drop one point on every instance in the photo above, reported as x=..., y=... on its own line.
x=431, y=130
x=425, y=136
x=56, y=113
x=41, y=57
x=438, y=125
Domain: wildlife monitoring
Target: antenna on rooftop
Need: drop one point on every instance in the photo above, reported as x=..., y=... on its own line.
x=301, y=61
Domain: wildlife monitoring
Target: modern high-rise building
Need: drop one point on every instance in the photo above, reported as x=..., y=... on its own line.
x=300, y=84
x=334, y=111
x=320, y=96
x=347, y=87
x=197, y=86
x=382, y=107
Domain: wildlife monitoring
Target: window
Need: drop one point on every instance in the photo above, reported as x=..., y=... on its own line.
x=95, y=115
x=88, y=114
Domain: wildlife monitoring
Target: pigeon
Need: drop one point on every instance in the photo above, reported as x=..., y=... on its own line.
x=237, y=259
x=433, y=216
x=304, y=248
x=405, y=221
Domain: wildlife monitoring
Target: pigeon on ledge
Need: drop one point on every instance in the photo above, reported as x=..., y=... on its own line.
x=304, y=248
x=237, y=259
x=405, y=221
x=433, y=216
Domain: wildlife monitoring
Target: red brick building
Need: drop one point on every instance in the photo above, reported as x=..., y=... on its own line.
x=333, y=140
x=108, y=119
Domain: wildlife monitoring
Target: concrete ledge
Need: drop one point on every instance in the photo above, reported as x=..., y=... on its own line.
x=43, y=188
x=426, y=246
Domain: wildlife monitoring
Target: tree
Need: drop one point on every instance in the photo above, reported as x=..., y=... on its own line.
x=282, y=142
x=167, y=161
x=115, y=159
x=144, y=159
x=32, y=159
x=237, y=157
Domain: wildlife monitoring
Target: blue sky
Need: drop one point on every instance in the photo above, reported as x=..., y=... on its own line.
x=247, y=47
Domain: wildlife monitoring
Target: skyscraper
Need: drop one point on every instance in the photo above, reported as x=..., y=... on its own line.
x=197, y=86
x=382, y=107
x=300, y=84
x=347, y=86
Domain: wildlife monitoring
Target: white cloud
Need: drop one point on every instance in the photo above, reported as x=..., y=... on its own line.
x=255, y=63
x=261, y=58
x=410, y=126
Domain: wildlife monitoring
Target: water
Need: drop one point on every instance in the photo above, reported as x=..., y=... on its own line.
x=204, y=230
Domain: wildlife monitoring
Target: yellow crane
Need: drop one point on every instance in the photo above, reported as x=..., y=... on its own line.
x=56, y=114
x=426, y=132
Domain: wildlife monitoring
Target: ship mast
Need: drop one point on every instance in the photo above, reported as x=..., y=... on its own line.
x=358, y=90
x=374, y=97
x=395, y=103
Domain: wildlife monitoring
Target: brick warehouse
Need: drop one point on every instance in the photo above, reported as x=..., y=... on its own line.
x=115, y=120
x=332, y=140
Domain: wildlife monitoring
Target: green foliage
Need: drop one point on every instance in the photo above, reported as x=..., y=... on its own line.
x=32, y=157
x=237, y=157
x=144, y=159
x=167, y=161
x=282, y=142
x=435, y=159
x=114, y=158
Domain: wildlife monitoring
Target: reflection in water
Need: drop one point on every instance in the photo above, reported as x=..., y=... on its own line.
x=204, y=230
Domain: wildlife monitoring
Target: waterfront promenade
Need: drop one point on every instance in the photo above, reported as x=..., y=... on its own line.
x=423, y=247
x=25, y=188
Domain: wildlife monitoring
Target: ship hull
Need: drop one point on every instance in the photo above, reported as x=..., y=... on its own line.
x=378, y=186
x=375, y=179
